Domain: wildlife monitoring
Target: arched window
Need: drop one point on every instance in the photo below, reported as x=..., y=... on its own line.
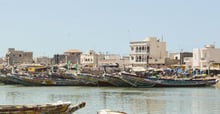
x=148, y=49
x=139, y=60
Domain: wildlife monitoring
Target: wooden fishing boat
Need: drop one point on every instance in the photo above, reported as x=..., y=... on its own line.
x=4, y=79
x=36, y=81
x=181, y=82
x=52, y=108
x=135, y=80
x=116, y=80
x=88, y=78
x=96, y=80
x=144, y=81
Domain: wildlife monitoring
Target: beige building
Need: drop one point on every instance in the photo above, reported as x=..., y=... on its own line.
x=73, y=56
x=89, y=58
x=43, y=60
x=1, y=60
x=113, y=59
x=188, y=62
x=16, y=57
x=181, y=58
x=204, y=57
x=148, y=52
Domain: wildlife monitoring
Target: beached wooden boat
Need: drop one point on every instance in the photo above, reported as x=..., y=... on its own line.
x=36, y=81
x=52, y=108
x=144, y=81
x=181, y=82
x=88, y=78
x=135, y=80
x=116, y=80
x=4, y=79
x=95, y=80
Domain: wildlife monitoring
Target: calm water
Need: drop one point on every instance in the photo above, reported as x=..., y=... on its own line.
x=131, y=100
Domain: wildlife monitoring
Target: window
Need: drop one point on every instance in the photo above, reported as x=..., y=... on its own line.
x=148, y=49
x=132, y=58
x=139, y=49
x=139, y=60
x=136, y=59
x=136, y=49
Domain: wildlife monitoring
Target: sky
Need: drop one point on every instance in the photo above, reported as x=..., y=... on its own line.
x=49, y=27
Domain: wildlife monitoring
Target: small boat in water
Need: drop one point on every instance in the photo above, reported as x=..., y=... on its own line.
x=181, y=82
x=43, y=81
x=145, y=81
x=51, y=108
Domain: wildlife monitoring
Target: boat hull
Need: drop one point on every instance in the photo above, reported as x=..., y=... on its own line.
x=116, y=80
x=54, y=108
x=181, y=82
x=136, y=81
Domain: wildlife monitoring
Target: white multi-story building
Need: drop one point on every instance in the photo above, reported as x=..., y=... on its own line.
x=204, y=57
x=148, y=52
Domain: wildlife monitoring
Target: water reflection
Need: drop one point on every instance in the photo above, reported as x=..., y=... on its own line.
x=130, y=100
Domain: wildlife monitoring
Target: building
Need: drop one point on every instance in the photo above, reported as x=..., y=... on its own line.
x=59, y=59
x=204, y=57
x=1, y=60
x=73, y=56
x=188, y=62
x=43, y=60
x=16, y=57
x=113, y=59
x=89, y=59
x=178, y=58
x=148, y=52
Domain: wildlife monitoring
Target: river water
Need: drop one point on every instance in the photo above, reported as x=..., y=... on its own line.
x=202, y=100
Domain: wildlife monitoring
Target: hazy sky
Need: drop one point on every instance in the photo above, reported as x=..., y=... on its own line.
x=47, y=27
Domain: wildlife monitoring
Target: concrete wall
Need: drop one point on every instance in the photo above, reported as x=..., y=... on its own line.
x=16, y=57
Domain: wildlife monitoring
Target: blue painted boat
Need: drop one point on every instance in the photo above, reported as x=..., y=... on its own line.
x=181, y=82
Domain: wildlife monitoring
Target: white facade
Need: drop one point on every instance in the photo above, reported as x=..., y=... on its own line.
x=87, y=58
x=203, y=57
x=150, y=51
